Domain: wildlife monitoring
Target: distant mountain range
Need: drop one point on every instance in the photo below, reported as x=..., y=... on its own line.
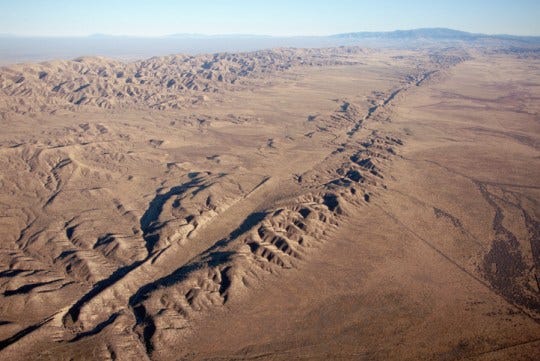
x=432, y=34
x=413, y=34
x=15, y=48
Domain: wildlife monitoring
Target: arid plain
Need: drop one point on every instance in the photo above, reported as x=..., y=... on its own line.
x=340, y=203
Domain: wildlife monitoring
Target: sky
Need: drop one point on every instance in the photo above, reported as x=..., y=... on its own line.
x=263, y=17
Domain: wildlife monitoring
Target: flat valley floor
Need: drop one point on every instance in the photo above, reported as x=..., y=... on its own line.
x=386, y=207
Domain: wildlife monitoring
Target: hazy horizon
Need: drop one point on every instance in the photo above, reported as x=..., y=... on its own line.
x=32, y=30
x=17, y=49
x=139, y=18
x=247, y=35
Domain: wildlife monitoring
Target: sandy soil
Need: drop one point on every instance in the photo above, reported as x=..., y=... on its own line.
x=319, y=204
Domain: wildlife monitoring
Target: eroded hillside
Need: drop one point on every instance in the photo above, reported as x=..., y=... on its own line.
x=147, y=205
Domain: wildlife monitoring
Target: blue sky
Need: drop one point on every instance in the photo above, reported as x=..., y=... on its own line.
x=270, y=17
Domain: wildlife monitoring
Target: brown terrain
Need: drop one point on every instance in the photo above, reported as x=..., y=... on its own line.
x=339, y=203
